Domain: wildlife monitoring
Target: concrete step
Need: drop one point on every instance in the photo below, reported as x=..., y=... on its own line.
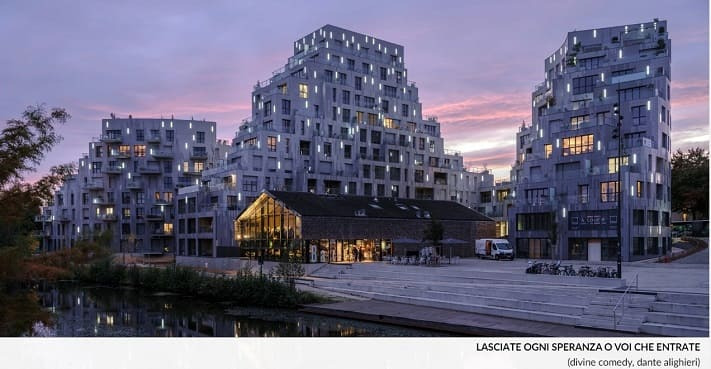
x=622, y=325
x=679, y=319
x=472, y=308
x=672, y=330
x=568, y=305
x=684, y=298
x=672, y=307
x=607, y=311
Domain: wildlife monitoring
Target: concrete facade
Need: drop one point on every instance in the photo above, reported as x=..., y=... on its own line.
x=566, y=162
x=126, y=184
x=340, y=117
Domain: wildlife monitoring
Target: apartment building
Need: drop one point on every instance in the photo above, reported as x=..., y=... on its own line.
x=127, y=182
x=566, y=169
x=340, y=117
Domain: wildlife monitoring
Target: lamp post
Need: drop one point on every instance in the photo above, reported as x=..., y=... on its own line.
x=618, y=132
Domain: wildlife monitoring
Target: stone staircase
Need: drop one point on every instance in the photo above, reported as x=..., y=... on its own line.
x=632, y=309
x=584, y=302
x=678, y=314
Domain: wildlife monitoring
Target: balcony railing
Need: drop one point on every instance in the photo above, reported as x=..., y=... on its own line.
x=111, y=138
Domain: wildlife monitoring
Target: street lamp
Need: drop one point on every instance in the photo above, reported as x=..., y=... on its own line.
x=617, y=133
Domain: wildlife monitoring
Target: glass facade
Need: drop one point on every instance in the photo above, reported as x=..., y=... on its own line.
x=273, y=231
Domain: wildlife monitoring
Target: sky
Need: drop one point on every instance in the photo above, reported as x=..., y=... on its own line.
x=475, y=63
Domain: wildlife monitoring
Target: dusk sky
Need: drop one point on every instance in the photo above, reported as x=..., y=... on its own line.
x=476, y=63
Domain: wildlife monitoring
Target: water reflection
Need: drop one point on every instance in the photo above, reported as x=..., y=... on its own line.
x=122, y=312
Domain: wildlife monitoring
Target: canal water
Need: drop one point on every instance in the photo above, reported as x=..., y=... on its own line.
x=115, y=312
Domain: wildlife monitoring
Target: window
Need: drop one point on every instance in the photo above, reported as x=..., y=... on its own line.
x=485, y=197
x=609, y=191
x=583, y=194
x=267, y=108
x=249, y=183
x=379, y=172
x=200, y=137
x=383, y=73
x=640, y=189
x=638, y=217
x=282, y=88
x=577, y=145
x=286, y=125
x=304, y=89
x=125, y=197
x=198, y=166
x=612, y=164
x=328, y=76
x=533, y=222
x=589, y=63
x=96, y=167
x=346, y=116
x=333, y=94
x=385, y=105
x=575, y=122
x=390, y=91
x=628, y=94
x=359, y=83
x=125, y=150
x=327, y=149
x=375, y=137
x=169, y=135
x=286, y=107
x=351, y=64
x=271, y=143
x=602, y=117
x=98, y=151
x=366, y=171
x=347, y=151
x=388, y=123
x=639, y=115
x=405, y=110
x=139, y=150
x=139, y=135
x=346, y=97
x=126, y=212
x=342, y=78
x=334, y=112
x=583, y=85
x=548, y=150
x=430, y=130
x=537, y=196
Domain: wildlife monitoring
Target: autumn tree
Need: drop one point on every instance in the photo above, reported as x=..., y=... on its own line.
x=690, y=182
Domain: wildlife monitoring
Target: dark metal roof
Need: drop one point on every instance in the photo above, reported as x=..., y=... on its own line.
x=309, y=204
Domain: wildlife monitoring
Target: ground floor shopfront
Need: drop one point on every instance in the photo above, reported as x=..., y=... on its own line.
x=593, y=249
x=312, y=228
x=320, y=251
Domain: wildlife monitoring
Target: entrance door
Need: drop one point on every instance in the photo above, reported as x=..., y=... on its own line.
x=594, y=250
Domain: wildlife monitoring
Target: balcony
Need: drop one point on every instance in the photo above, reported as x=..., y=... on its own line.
x=163, y=202
x=94, y=186
x=193, y=173
x=120, y=154
x=111, y=170
x=43, y=218
x=162, y=154
x=153, y=139
x=110, y=138
x=149, y=170
x=107, y=217
x=155, y=215
x=162, y=233
x=134, y=185
x=198, y=155
x=102, y=201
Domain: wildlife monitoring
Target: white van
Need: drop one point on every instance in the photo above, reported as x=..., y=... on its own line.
x=493, y=248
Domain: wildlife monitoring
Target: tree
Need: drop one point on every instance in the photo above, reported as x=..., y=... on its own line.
x=23, y=144
x=690, y=182
x=434, y=232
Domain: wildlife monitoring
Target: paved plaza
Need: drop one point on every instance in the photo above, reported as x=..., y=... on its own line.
x=662, y=299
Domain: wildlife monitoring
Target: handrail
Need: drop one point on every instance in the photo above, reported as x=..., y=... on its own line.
x=622, y=300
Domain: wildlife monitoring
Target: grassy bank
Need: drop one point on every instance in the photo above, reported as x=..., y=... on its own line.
x=245, y=288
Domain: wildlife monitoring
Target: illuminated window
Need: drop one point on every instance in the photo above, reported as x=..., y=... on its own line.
x=303, y=90
x=577, y=145
x=548, y=148
x=198, y=166
x=613, y=167
x=139, y=150
x=609, y=191
x=640, y=189
x=125, y=149
x=583, y=194
x=271, y=143
x=282, y=88
x=388, y=123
